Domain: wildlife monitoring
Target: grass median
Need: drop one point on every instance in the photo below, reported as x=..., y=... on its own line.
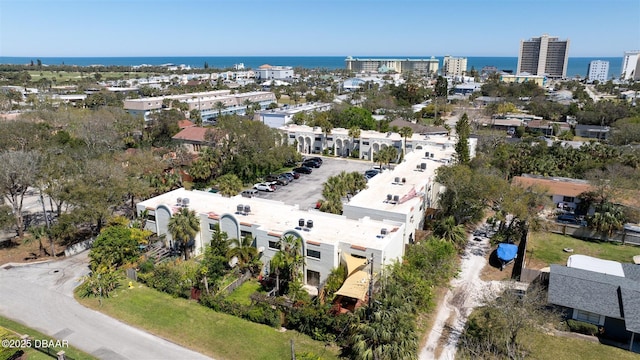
x=196, y=327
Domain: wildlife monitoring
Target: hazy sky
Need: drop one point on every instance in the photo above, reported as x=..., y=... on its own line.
x=68, y=28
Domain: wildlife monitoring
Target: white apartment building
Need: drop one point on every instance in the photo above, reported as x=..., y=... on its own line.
x=598, y=70
x=311, y=140
x=631, y=65
x=454, y=66
x=206, y=102
x=277, y=118
x=423, y=66
x=327, y=239
x=544, y=55
x=268, y=72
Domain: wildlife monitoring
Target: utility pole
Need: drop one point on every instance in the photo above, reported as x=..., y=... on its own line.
x=370, y=284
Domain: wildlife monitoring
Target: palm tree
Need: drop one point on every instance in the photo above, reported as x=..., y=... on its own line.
x=405, y=132
x=607, y=218
x=229, y=185
x=219, y=105
x=354, y=133
x=447, y=230
x=289, y=260
x=247, y=103
x=183, y=227
x=244, y=251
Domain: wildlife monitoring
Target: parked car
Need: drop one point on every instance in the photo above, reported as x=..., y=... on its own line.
x=303, y=170
x=315, y=158
x=571, y=219
x=371, y=173
x=249, y=193
x=294, y=174
x=265, y=187
x=278, y=179
x=312, y=163
x=288, y=176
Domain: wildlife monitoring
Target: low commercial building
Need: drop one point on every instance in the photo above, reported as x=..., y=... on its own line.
x=211, y=104
x=327, y=239
x=524, y=77
x=276, y=118
x=268, y=72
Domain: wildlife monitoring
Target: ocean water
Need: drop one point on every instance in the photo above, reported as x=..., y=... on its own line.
x=576, y=65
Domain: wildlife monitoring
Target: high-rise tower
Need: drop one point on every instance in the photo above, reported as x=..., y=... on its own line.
x=544, y=55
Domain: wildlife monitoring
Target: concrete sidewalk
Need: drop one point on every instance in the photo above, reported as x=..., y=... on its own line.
x=40, y=295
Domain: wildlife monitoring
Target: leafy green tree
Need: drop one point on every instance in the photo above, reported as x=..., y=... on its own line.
x=441, y=87
x=114, y=247
x=19, y=170
x=183, y=227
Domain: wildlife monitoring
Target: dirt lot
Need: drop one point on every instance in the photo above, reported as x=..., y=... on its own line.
x=19, y=251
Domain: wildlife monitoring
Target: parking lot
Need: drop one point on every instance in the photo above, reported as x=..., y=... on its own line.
x=307, y=190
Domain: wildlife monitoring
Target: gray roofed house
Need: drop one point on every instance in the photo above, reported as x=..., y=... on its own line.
x=609, y=301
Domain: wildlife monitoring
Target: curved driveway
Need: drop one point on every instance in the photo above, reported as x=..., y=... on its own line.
x=41, y=296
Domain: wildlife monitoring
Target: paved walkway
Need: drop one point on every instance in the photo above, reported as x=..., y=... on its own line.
x=40, y=295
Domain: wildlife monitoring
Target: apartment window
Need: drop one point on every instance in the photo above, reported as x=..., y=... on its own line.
x=587, y=316
x=365, y=143
x=274, y=245
x=212, y=226
x=330, y=138
x=313, y=278
x=318, y=138
x=244, y=233
x=569, y=199
x=292, y=136
x=313, y=253
x=151, y=217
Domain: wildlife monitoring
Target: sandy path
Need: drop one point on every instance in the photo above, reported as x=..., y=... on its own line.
x=466, y=292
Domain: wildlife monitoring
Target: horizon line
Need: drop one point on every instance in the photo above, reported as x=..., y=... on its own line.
x=345, y=56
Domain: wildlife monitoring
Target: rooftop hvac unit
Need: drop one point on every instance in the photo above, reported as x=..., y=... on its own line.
x=301, y=222
x=396, y=198
x=179, y=201
x=309, y=224
x=185, y=202
x=383, y=231
x=431, y=156
x=423, y=166
x=389, y=197
x=247, y=209
x=240, y=208
x=426, y=154
x=396, y=180
x=404, y=181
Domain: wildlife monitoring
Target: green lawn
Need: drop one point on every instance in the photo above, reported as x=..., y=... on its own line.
x=548, y=248
x=64, y=76
x=196, y=327
x=9, y=327
x=549, y=347
x=242, y=293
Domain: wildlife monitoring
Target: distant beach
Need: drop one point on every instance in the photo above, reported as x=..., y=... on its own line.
x=576, y=65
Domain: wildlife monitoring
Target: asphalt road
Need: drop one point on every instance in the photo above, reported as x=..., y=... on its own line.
x=41, y=296
x=307, y=190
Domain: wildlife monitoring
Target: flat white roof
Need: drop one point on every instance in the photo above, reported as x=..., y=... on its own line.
x=276, y=218
x=409, y=191
x=589, y=263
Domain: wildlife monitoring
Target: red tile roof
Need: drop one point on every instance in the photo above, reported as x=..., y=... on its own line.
x=194, y=133
x=185, y=124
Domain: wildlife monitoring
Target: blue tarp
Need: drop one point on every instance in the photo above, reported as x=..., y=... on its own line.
x=507, y=252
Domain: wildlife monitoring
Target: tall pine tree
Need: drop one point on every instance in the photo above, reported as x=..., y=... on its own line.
x=463, y=129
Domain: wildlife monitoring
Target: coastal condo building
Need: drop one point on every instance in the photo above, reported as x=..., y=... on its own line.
x=544, y=55
x=454, y=66
x=423, y=66
x=631, y=65
x=598, y=70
